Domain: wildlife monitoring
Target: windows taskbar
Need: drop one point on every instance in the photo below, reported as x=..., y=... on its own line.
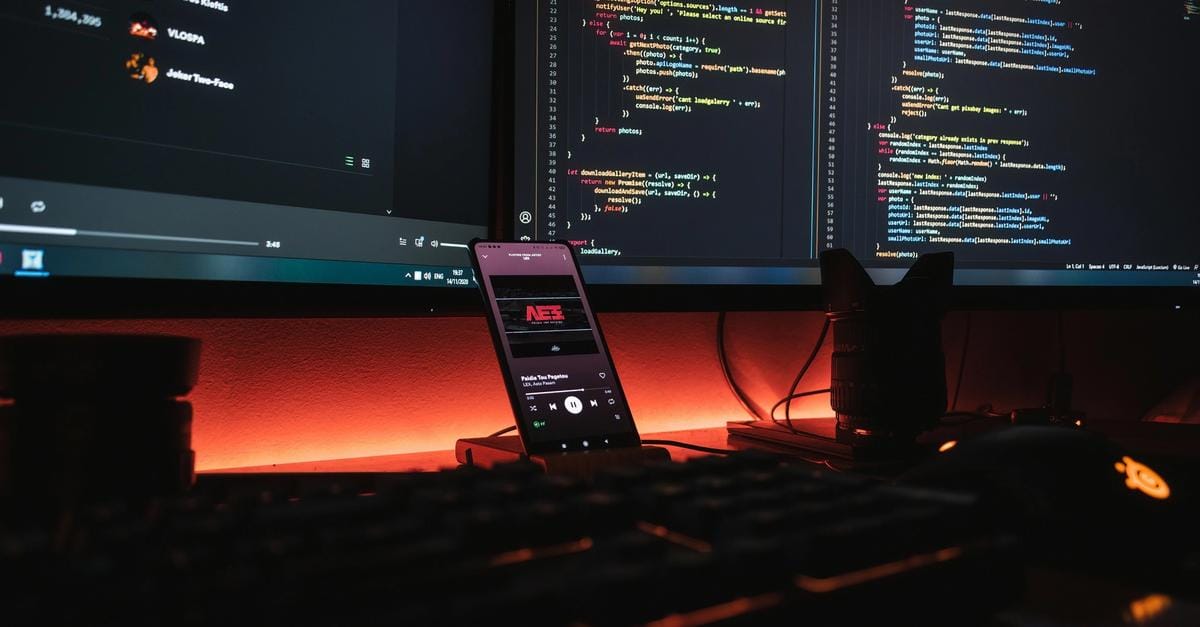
x=26, y=261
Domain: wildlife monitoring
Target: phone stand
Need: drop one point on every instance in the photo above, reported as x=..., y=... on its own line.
x=487, y=452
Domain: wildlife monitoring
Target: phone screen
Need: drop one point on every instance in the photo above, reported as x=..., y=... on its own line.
x=560, y=378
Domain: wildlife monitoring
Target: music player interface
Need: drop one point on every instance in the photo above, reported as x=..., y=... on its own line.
x=560, y=372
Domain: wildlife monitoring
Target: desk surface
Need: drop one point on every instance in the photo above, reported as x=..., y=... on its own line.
x=439, y=460
x=1168, y=439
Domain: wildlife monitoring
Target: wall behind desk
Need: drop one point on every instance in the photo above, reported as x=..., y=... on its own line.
x=278, y=391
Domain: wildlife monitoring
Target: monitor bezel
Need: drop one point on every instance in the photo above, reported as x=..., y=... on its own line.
x=91, y=298
x=65, y=298
x=612, y=297
x=694, y=298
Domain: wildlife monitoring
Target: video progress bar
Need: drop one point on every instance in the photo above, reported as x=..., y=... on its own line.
x=67, y=232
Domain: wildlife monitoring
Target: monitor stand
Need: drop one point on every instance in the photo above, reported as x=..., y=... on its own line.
x=488, y=452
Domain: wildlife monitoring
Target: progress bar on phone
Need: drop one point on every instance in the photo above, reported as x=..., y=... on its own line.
x=553, y=392
x=567, y=391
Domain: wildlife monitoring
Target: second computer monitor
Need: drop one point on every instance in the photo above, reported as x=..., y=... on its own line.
x=1044, y=143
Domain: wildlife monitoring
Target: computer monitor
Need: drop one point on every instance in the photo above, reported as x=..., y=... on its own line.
x=1046, y=143
x=242, y=145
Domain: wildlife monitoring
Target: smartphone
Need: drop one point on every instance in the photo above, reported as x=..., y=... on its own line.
x=565, y=392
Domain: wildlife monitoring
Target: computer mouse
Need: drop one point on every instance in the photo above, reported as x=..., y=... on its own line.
x=1071, y=495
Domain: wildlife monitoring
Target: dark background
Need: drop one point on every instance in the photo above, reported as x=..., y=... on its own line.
x=444, y=109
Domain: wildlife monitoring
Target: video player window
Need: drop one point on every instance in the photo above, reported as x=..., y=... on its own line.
x=543, y=316
x=265, y=140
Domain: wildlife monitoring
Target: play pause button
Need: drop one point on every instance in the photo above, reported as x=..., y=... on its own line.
x=573, y=404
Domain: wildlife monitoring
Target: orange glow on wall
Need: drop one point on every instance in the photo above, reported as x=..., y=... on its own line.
x=947, y=445
x=276, y=391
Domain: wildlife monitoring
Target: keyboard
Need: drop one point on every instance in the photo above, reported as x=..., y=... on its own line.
x=742, y=539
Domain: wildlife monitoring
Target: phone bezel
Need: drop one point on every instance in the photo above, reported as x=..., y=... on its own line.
x=629, y=438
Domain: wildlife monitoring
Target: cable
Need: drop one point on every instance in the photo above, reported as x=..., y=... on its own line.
x=988, y=410
x=1062, y=345
x=830, y=466
x=787, y=408
x=723, y=357
x=793, y=397
x=694, y=447
x=962, y=362
x=805, y=433
x=503, y=431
